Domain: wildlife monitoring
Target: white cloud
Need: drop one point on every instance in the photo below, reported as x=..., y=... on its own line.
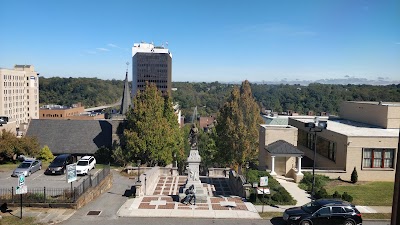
x=103, y=49
x=114, y=46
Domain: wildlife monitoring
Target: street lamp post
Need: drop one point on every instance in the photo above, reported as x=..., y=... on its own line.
x=316, y=126
x=138, y=163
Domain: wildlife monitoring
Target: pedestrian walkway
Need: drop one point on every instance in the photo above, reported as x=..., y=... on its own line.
x=300, y=195
x=163, y=201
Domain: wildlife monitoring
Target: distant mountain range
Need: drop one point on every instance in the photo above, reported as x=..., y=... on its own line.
x=343, y=81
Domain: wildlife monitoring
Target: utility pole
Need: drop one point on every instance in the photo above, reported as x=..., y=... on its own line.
x=396, y=194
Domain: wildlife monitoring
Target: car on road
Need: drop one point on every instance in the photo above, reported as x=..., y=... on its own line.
x=85, y=164
x=323, y=211
x=59, y=164
x=27, y=167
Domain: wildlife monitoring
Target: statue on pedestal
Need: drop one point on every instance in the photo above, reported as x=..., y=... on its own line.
x=194, y=132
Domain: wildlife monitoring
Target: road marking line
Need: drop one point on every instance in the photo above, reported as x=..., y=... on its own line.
x=37, y=176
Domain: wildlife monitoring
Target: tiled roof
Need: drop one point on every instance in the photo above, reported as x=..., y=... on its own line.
x=72, y=136
x=282, y=147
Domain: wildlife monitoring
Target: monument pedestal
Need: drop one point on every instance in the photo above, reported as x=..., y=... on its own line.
x=193, y=169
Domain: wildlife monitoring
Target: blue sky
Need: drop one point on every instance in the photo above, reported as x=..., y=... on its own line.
x=210, y=40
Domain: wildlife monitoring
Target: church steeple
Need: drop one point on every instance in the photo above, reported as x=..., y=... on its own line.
x=126, y=96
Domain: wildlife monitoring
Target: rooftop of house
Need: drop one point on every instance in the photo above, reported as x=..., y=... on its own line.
x=352, y=128
x=72, y=136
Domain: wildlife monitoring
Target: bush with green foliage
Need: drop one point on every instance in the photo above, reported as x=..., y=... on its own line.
x=347, y=197
x=278, y=196
x=45, y=154
x=354, y=176
x=321, y=193
x=103, y=155
x=337, y=195
x=306, y=182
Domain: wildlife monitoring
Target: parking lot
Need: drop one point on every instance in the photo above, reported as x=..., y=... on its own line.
x=40, y=180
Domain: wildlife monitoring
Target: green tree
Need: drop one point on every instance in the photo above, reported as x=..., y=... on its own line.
x=237, y=127
x=152, y=132
x=45, y=154
x=207, y=147
x=354, y=176
x=11, y=146
x=174, y=138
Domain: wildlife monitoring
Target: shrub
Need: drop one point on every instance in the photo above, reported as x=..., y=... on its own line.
x=103, y=155
x=306, y=182
x=45, y=154
x=354, y=176
x=337, y=195
x=321, y=193
x=347, y=197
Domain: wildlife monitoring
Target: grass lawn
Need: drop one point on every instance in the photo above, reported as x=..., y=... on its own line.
x=364, y=193
x=13, y=220
x=270, y=215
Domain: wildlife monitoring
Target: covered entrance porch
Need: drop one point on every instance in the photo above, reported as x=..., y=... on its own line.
x=284, y=159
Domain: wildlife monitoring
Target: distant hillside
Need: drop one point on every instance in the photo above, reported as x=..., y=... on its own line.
x=89, y=91
x=209, y=97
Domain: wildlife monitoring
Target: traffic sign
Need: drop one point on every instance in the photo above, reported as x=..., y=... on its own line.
x=21, y=180
x=263, y=181
x=262, y=191
x=21, y=190
x=71, y=173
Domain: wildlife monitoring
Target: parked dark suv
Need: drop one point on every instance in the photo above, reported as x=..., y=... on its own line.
x=59, y=164
x=323, y=211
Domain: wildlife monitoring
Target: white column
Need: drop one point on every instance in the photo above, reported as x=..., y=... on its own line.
x=299, y=165
x=273, y=166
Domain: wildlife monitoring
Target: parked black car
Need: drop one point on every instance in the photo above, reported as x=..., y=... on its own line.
x=325, y=212
x=59, y=164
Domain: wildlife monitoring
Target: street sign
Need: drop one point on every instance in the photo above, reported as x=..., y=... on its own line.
x=261, y=191
x=71, y=173
x=255, y=184
x=21, y=190
x=21, y=180
x=263, y=181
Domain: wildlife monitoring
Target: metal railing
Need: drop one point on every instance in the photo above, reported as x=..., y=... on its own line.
x=54, y=195
x=90, y=182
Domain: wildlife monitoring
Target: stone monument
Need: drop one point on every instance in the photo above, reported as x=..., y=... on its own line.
x=193, y=169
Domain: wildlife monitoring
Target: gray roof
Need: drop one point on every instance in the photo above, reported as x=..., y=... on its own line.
x=72, y=136
x=283, y=148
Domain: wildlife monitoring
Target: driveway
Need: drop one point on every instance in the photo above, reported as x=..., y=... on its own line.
x=108, y=203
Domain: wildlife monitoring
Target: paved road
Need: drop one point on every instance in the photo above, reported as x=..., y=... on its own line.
x=174, y=221
x=108, y=203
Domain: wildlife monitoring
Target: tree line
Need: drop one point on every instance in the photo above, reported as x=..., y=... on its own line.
x=210, y=97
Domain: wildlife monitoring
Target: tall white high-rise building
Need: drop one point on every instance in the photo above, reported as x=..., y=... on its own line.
x=151, y=64
x=19, y=94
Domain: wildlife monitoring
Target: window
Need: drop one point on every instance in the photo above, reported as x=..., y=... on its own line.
x=337, y=210
x=332, y=151
x=324, y=211
x=378, y=158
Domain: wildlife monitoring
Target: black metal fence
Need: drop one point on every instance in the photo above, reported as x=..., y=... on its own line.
x=54, y=195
